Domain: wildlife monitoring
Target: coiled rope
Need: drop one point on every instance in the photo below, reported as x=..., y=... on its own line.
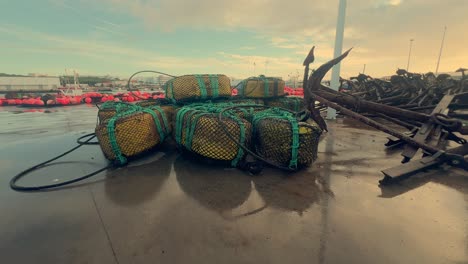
x=14, y=180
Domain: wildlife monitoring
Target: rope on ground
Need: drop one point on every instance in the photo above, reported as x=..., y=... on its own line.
x=16, y=178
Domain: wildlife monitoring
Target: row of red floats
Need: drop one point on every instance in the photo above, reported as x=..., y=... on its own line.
x=72, y=100
x=294, y=91
x=94, y=97
x=287, y=91
x=87, y=98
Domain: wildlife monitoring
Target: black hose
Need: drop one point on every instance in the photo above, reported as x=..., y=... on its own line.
x=86, y=142
x=81, y=143
x=138, y=72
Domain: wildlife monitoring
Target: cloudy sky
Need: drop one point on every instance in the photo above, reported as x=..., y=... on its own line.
x=119, y=37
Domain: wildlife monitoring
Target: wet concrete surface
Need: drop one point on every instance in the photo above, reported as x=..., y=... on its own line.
x=166, y=208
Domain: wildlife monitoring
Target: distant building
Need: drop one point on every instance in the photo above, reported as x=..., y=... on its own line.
x=82, y=85
x=162, y=79
x=29, y=83
x=120, y=83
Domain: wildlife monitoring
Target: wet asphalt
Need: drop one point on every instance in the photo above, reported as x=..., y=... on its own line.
x=166, y=208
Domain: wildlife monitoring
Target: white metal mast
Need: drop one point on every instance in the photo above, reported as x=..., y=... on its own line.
x=335, y=79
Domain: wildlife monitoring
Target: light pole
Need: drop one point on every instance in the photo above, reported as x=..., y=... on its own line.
x=335, y=77
x=440, y=52
x=409, y=54
x=292, y=79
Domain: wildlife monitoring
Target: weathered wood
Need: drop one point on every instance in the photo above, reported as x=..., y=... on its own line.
x=354, y=102
x=377, y=125
x=408, y=169
x=425, y=132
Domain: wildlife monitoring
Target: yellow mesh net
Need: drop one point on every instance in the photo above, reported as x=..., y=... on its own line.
x=134, y=134
x=198, y=87
x=199, y=131
x=292, y=103
x=261, y=87
x=132, y=130
x=279, y=137
x=108, y=111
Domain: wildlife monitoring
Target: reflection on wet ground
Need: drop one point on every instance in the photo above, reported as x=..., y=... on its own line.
x=133, y=185
x=215, y=187
x=168, y=208
x=295, y=192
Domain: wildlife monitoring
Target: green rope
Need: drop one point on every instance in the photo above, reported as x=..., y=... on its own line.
x=296, y=104
x=113, y=141
x=166, y=89
x=169, y=90
x=214, y=80
x=161, y=132
x=240, y=152
x=265, y=85
x=179, y=124
x=275, y=87
x=193, y=113
x=163, y=115
x=192, y=128
x=117, y=106
x=279, y=114
x=188, y=136
x=201, y=85
x=112, y=137
x=133, y=110
x=295, y=143
x=241, y=88
x=171, y=86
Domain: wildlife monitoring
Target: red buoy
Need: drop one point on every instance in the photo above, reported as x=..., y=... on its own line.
x=110, y=98
x=88, y=100
x=130, y=99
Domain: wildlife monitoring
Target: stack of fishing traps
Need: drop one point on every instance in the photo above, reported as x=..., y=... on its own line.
x=205, y=121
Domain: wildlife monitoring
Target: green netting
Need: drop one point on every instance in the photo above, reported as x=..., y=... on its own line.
x=280, y=138
x=273, y=134
x=261, y=87
x=131, y=113
x=292, y=103
x=197, y=87
x=108, y=109
x=199, y=131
